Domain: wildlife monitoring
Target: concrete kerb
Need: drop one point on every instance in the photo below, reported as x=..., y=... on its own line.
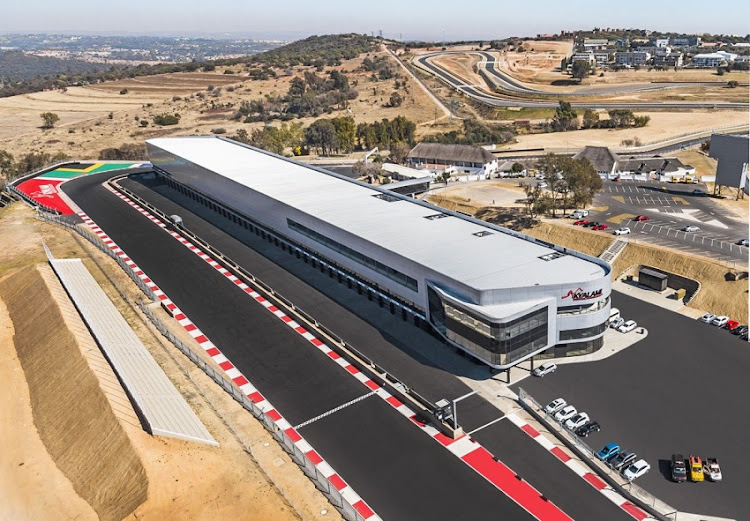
x=587, y=460
x=393, y=385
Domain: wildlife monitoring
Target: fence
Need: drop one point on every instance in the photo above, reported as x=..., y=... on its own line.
x=630, y=490
x=307, y=466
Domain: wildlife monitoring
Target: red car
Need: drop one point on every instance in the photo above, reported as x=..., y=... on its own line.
x=732, y=324
x=582, y=222
x=600, y=227
x=641, y=218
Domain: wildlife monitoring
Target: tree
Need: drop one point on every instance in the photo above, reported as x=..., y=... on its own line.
x=445, y=176
x=720, y=71
x=590, y=119
x=126, y=151
x=346, y=134
x=565, y=118
x=321, y=134
x=732, y=84
x=49, y=119
x=580, y=70
x=552, y=165
x=516, y=168
x=582, y=181
x=621, y=118
x=396, y=100
x=399, y=152
x=533, y=194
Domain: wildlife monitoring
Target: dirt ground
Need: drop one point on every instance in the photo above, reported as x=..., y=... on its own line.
x=663, y=126
x=85, y=128
x=247, y=477
x=717, y=294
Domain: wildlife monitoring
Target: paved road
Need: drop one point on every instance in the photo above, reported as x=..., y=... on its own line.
x=301, y=381
x=682, y=389
x=479, y=93
x=670, y=207
x=395, y=345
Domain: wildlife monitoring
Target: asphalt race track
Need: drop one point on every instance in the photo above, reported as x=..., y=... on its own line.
x=480, y=94
x=396, y=345
x=683, y=389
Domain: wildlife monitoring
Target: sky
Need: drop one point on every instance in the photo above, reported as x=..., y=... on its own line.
x=398, y=19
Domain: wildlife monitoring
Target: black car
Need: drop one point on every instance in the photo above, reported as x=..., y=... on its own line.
x=623, y=459
x=591, y=224
x=588, y=428
x=679, y=469
x=741, y=330
x=744, y=336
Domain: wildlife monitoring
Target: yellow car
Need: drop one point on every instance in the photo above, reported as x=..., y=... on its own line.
x=696, y=468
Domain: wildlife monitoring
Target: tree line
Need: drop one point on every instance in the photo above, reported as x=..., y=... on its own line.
x=474, y=133
x=571, y=183
x=565, y=119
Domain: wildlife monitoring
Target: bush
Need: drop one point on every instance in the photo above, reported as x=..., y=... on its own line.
x=732, y=84
x=218, y=131
x=176, y=98
x=166, y=119
x=144, y=123
x=123, y=91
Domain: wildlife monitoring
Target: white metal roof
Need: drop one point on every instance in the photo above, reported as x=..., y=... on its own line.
x=446, y=245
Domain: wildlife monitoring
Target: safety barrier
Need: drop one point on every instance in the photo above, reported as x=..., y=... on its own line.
x=638, y=496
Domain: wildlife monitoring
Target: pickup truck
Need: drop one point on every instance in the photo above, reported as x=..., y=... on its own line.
x=712, y=470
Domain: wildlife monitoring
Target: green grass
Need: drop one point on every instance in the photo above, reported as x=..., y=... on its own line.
x=524, y=113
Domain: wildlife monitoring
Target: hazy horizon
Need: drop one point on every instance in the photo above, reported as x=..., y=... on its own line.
x=433, y=21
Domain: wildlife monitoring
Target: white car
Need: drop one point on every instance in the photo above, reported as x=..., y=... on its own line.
x=545, y=368
x=720, y=321
x=576, y=421
x=614, y=314
x=616, y=322
x=627, y=327
x=622, y=231
x=565, y=413
x=690, y=229
x=636, y=470
x=555, y=405
x=707, y=318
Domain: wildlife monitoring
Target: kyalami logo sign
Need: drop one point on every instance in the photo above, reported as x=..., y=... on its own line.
x=579, y=294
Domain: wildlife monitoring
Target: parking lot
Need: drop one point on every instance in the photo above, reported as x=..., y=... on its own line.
x=680, y=390
x=669, y=208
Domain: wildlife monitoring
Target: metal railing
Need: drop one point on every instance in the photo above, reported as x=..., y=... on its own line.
x=640, y=497
x=307, y=465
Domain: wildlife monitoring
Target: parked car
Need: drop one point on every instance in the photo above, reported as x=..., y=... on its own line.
x=591, y=224
x=641, y=218
x=617, y=322
x=627, y=327
x=712, y=469
x=696, y=468
x=555, y=405
x=743, y=242
x=690, y=229
x=600, y=227
x=622, y=231
x=636, y=470
x=741, y=330
x=707, y=318
x=581, y=222
x=608, y=451
x=614, y=313
x=731, y=325
x=589, y=428
x=699, y=192
x=545, y=368
x=542, y=184
x=744, y=336
x=576, y=421
x=679, y=469
x=582, y=213
x=623, y=460
x=720, y=320
x=565, y=413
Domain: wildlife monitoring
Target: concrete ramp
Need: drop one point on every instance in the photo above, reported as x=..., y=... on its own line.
x=160, y=405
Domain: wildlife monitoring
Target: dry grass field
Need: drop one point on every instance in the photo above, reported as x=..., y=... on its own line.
x=57, y=413
x=85, y=127
x=663, y=126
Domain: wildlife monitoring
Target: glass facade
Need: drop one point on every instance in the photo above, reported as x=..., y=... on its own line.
x=369, y=262
x=588, y=332
x=497, y=343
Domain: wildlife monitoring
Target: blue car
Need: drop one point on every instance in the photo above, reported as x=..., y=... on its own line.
x=609, y=451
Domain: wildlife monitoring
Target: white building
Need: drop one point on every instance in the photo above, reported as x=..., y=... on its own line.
x=496, y=294
x=454, y=159
x=595, y=44
x=713, y=59
x=632, y=58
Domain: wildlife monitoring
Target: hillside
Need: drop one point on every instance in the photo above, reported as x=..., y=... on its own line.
x=328, y=49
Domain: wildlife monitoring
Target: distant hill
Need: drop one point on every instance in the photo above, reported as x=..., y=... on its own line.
x=18, y=66
x=328, y=49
